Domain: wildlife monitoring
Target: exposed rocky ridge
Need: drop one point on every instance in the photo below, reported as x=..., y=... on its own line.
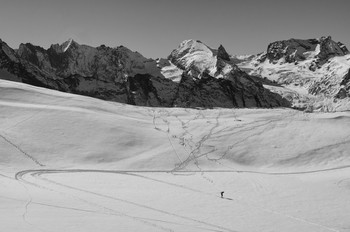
x=309, y=72
x=208, y=76
x=118, y=74
x=293, y=50
x=222, y=54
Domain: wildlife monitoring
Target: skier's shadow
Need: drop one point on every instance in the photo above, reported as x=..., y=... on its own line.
x=226, y=198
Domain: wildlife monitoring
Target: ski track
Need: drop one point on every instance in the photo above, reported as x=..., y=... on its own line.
x=154, y=117
x=54, y=206
x=109, y=210
x=20, y=176
x=195, y=153
x=186, y=140
x=21, y=151
x=26, y=207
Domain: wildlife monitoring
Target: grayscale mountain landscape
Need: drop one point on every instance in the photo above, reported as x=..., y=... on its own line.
x=96, y=136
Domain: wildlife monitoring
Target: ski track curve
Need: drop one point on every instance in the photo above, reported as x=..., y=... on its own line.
x=39, y=172
x=20, y=177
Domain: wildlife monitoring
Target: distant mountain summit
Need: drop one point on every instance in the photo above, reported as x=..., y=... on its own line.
x=209, y=78
x=310, y=73
x=64, y=47
x=298, y=50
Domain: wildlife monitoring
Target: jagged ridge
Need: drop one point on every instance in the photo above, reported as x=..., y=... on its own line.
x=206, y=77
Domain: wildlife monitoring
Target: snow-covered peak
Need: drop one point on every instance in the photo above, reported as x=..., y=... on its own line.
x=9, y=52
x=314, y=69
x=193, y=54
x=66, y=44
x=191, y=47
x=195, y=58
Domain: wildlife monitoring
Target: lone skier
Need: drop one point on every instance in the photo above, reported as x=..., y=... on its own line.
x=222, y=194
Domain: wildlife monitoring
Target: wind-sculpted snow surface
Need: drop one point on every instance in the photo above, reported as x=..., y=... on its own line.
x=74, y=163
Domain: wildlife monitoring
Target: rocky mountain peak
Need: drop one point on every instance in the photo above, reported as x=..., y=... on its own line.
x=6, y=52
x=294, y=50
x=330, y=48
x=223, y=54
x=65, y=46
x=343, y=47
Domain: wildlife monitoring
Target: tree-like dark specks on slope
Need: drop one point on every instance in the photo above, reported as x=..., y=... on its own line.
x=120, y=75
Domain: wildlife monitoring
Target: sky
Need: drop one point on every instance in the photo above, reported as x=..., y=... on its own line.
x=156, y=27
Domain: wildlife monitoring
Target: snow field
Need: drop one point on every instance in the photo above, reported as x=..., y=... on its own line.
x=73, y=163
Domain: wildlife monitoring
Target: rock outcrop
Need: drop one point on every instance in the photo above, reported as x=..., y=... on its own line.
x=222, y=54
x=293, y=50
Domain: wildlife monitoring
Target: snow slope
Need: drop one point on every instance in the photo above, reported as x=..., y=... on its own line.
x=74, y=163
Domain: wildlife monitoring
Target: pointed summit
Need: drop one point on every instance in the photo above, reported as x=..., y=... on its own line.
x=66, y=44
x=223, y=54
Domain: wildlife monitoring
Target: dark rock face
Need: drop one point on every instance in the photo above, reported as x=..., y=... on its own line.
x=229, y=93
x=222, y=54
x=324, y=87
x=344, y=87
x=346, y=80
x=118, y=74
x=343, y=47
x=329, y=49
x=294, y=49
x=24, y=71
x=146, y=90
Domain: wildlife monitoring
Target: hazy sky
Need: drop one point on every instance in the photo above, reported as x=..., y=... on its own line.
x=155, y=27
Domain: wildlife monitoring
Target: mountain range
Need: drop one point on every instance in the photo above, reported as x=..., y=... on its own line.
x=310, y=74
